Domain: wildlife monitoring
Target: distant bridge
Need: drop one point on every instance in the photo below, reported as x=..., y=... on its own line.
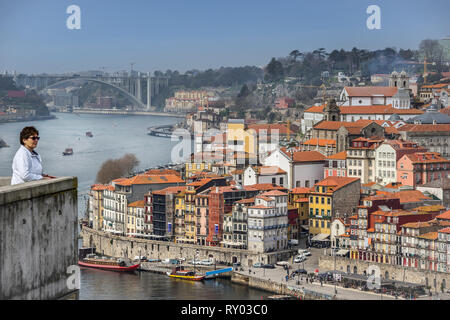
x=140, y=88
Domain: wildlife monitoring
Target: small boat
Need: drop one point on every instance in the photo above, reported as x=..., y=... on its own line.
x=68, y=152
x=180, y=273
x=107, y=264
x=89, y=134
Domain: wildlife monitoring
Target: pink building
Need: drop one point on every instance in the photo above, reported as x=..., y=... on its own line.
x=421, y=167
x=335, y=165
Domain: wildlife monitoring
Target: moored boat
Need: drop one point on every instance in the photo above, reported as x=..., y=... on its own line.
x=180, y=273
x=68, y=152
x=107, y=264
x=89, y=134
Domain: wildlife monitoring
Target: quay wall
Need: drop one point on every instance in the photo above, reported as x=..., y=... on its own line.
x=326, y=263
x=38, y=238
x=277, y=287
x=127, y=112
x=126, y=247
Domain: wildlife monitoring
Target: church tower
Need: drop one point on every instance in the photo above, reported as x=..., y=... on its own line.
x=399, y=80
x=331, y=111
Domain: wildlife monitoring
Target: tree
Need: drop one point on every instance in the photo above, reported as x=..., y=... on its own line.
x=116, y=168
x=274, y=70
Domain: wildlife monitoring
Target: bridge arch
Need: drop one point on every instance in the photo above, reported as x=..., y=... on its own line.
x=133, y=98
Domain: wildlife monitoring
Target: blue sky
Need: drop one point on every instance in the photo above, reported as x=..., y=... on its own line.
x=201, y=34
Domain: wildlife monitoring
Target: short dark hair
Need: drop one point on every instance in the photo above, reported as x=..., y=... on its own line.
x=27, y=132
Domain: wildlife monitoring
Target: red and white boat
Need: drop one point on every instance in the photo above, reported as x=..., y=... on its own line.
x=107, y=264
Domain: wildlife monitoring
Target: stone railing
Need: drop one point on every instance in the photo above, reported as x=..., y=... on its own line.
x=38, y=237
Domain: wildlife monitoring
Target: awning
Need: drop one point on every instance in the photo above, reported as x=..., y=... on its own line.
x=305, y=227
x=342, y=252
x=320, y=237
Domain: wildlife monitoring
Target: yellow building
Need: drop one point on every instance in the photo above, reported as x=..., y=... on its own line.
x=135, y=219
x=96, y=206
x=180, y=208
x=239, y=139
x=330, y=198
x=194, y=168
x=298, y=198
x=189, y=214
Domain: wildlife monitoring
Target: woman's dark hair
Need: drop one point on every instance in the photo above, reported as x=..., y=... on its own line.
x=27, y=132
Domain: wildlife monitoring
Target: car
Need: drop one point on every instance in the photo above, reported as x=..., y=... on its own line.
x=194, y=262
x=300, y=271
x=206, y=262
x=299, y=258
x=304, y=252
x=282, y=263
x=268, y=266
x=140, y=258
x=153, y=260
x=257, y=265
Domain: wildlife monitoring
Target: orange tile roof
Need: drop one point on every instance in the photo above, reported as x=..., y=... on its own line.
x=269, y=170
x=304, y=156
x=170, y=190
x=425, y=127
x=149, y=179
x=263, y=187
x=371, y=230
x=260, y=207
x=446, y=230
x=265, y=198
x=377, y=109
x=249, y=200
x=416, y=225
x=337, y=182
x=200, y=182
x=338, y=156
x=274, y=193
x=98, y=187
x=429, y=236
x=436, y=86
x=444, y=216
x=407, y=196
x=162, y=171
x=282, y=128
x=370, y=91
x=426, y=157
x=137, y=204
x=320, y=142
x=300, y=190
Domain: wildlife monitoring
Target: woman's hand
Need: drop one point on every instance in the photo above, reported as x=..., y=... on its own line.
x=46, y=176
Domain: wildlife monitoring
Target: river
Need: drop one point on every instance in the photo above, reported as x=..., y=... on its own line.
x=114, y=136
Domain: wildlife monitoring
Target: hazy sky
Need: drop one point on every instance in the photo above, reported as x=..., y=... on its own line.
x=201, y=34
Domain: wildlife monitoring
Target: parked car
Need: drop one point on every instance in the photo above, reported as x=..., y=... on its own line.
x=206, y=262
x=268, y=266
x=304, y=252
x=300, y=258
x=299, y=271
x=257, y=265
x=153, y=260
x=140, y=258
x=282, y=263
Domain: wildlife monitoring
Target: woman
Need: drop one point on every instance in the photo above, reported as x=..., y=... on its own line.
x=27, y=163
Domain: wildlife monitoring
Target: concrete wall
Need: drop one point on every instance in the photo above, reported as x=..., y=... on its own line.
x=125, y=247
x=326, y=263
x=38, y=238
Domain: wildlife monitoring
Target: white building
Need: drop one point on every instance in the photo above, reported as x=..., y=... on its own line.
x=265, y=174
x=385, y=164
x=268, y=222
x=304, y=168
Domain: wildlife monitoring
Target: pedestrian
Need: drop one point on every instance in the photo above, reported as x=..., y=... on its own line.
x=27, y=163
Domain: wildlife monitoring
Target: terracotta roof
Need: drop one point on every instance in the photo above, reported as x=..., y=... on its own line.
x=169, y=190
x=282, y=128
x=263, y=187
x=416, y=225
x=98, y=187
x=444, y=216
x=162, y=171
x=200, y=182
x=337, y=182
x=377, y=109
x=370, y=91
x=137, y=204
x=446, y=230
x=338, y=156
x=304, y=156
x=407, y=196
x=265, y=198
x=425, y=128
x=269, y=170
x=436, y=86
x=429, y=236
x=274, y=193
x=371, y=230
x=249, y=200
x=426, y=157
x=320, y=142
x=260, y=207
x=149, y=179
x=300, y=190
